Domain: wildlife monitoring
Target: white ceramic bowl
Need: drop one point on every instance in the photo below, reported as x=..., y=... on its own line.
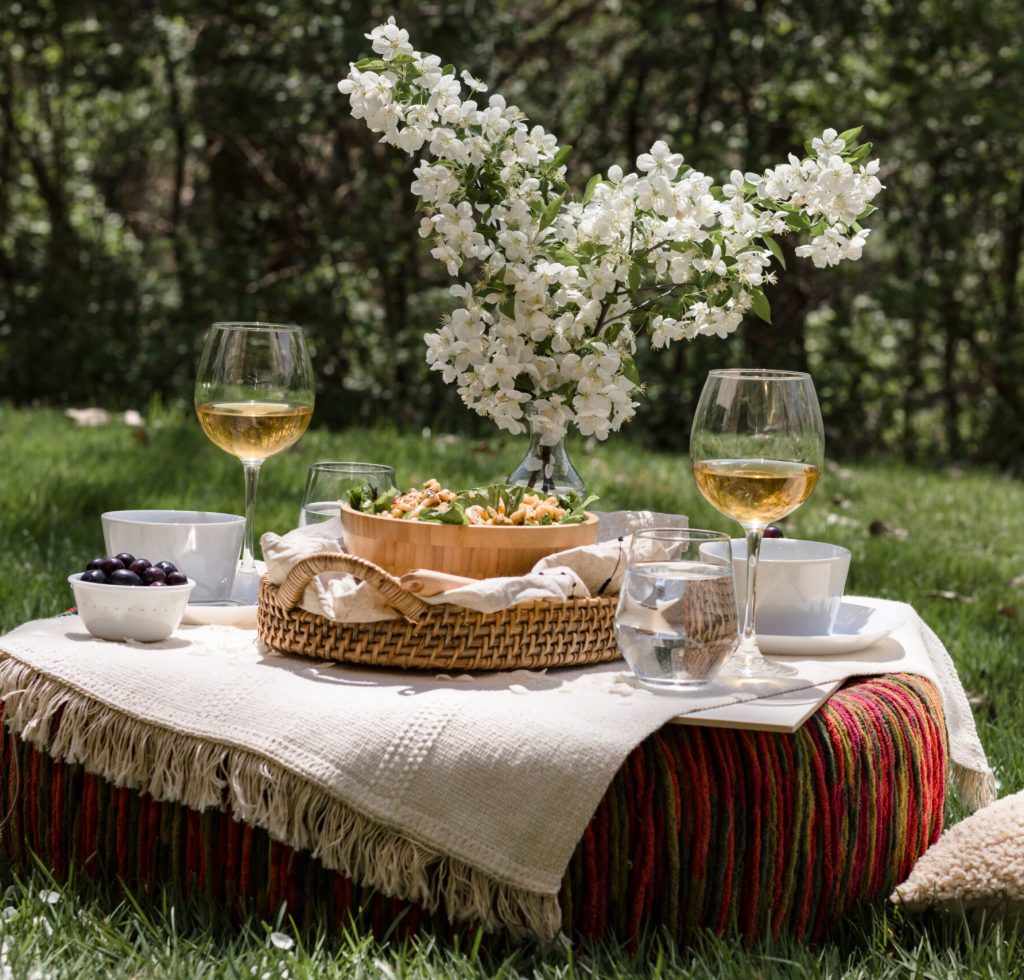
x=799, y=585
x=204, y=545
x=130, y=612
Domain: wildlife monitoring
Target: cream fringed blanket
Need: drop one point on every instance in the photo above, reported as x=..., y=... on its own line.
x=468, y=794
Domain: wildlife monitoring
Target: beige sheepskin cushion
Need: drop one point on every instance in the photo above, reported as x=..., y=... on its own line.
x=978, y=864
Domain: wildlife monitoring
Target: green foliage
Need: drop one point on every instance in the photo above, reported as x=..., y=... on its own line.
x=165, y=166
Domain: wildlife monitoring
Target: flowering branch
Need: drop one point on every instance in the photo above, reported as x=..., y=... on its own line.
x=561, y=287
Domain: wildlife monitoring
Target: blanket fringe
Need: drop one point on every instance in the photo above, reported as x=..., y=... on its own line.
x=179, y=768
x=974, y=787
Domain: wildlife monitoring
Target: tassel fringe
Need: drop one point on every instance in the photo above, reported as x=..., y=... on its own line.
x=180, y=768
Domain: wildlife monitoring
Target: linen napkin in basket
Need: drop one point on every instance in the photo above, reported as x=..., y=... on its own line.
x=591, y=570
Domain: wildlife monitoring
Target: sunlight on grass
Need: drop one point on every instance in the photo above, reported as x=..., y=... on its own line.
x=946, y=541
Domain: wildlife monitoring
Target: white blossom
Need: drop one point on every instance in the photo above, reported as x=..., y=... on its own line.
x=551, y=288
x=390, y=40
x=660, y=161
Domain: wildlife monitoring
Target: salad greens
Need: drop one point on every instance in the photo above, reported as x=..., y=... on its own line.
x=503, y=497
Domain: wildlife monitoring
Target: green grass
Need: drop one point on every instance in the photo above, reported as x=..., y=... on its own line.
x=957, y=565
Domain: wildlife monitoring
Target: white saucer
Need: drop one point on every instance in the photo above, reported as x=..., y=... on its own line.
x=235, y=611
x=220, y=615
x=857, y=626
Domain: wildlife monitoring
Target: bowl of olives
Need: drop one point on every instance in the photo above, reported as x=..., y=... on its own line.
x=121, y=597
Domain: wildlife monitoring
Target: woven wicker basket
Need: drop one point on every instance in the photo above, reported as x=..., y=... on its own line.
x=434, y=637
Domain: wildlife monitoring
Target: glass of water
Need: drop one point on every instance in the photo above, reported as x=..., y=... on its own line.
x=676, y=619
x=328, y=484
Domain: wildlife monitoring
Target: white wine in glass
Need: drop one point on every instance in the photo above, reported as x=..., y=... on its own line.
x=757, y=447
x=254, y=398
x=757, y=491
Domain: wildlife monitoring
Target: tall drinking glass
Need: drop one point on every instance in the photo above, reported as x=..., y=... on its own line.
x=676, y=618
x=254, y=399
x=757, y=448
x=328, y=485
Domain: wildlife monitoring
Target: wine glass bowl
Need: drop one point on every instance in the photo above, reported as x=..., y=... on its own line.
x=254, y=398
x=757, y=448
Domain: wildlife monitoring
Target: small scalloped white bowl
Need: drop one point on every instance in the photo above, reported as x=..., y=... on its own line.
x=130, y=612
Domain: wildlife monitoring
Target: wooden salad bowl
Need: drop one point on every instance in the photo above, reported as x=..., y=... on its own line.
x=475, y=551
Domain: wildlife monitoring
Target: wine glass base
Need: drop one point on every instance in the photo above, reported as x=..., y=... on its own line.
x=754, y=674
x=245, y=591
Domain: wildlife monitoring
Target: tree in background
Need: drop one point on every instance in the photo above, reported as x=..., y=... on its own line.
x=164, y=166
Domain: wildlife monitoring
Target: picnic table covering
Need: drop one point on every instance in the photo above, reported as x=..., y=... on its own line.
x=468, y=793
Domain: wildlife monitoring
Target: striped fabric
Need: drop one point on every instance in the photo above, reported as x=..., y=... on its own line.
x=749, y=834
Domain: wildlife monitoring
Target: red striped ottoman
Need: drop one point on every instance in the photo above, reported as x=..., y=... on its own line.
x=749, y=834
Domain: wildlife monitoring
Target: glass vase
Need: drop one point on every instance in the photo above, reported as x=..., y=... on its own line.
x=547, y=469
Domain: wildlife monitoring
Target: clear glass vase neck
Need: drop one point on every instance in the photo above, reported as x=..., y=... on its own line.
x=547, y=468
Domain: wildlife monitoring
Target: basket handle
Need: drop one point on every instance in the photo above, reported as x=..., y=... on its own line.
x=289, y=592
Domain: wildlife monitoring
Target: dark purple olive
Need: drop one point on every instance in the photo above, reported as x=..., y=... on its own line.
x=94, y=564
x=773, y=531
x=94, y=575
x=125, y=559
x=167, y=566
x=139, y=565
x=122, y=576
x=176, y=578
x=151, y=575
x=110, y=565
x=155, y=583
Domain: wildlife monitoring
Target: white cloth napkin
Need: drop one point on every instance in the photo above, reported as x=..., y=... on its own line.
x=577, y=573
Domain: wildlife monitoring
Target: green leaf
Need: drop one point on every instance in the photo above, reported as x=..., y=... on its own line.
x=859, y=154
x=576, y=505
x=798, y=221
x=612, y=331
x=760, y=305
x=561, y=156
x=564, y=256
x=372, y=64
x=454, y=514
x=776, y=250
x=503, y=497
x=850, y=135
x=636, y=276
x=588, y=192
x=359, y=499
x=629, y=369
x=550, y=212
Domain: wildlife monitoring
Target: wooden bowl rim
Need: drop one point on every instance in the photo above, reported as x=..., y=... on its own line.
x=431, y=530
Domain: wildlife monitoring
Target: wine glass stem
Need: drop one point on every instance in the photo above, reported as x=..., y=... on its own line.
x=749, y=644
x=252, y=476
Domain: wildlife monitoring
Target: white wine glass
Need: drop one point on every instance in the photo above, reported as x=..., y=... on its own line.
x=757, y=447
x=254, y=398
